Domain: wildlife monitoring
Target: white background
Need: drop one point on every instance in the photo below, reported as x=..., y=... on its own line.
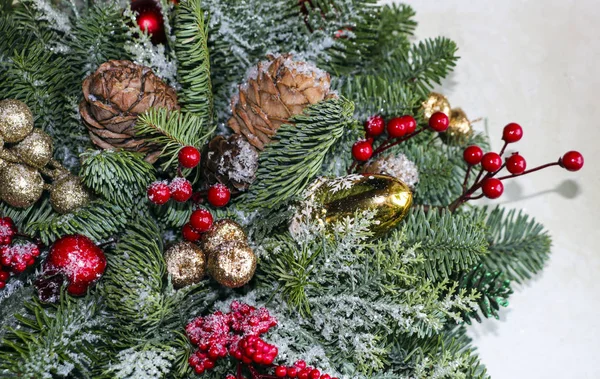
x=537, y=63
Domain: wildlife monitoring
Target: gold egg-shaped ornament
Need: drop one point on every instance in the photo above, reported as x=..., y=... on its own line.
x=222, y=232
x=36, y=149
x=67, y=194
x=20, y=185
x=186, y=264
x=334, y=200
x=16, y=120
x=232, y=264
x=459, y=130
x=436, y=102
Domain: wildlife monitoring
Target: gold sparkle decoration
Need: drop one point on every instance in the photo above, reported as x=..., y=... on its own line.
x=67, y=194
x=222, y=232
x=436, y=102
x=232, y=264
x=20, y=185
x=459, y=130
x=16, y=120
x=3, y=164
x=186, y=263
x=36, y=149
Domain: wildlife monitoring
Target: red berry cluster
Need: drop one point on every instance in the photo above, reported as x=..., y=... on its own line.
x=14, y=258
x=236, y=334
x=301, y=371
x=200, y=222
x=180, y=190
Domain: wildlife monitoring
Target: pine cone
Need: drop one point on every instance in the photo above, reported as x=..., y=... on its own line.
x=232, y=162
x=277, y=90
x=113, y=97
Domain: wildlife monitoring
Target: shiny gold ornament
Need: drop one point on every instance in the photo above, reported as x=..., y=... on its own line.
x=460, y=129
x=20, y=185
x=3, y=164
x=222, y=232
x=232, y=264
x=16, y=120
x=186, y=263
x=67, y=194
x=436, y=102
x=333, y=200
x=36, y=149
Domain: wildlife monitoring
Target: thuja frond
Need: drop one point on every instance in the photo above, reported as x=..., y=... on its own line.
x=289, y=163
x=191, y=48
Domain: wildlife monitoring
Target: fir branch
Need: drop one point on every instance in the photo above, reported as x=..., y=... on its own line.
x=174, y=214
x=289, y=163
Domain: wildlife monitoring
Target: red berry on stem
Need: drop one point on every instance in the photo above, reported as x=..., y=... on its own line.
x=280, y=371
x=492, y=188
x=181, y=189
x=292, y=372
x=149, y=17
x=572, y=161
x=401, y=126
x=315, y=374
x=362, y=150
x=516, y=164
x=473, y=155
x=491, y=162
x=374, y=126
x=159, y=193
x=218, y=195
x=512, y=133
x=201, y=220
x=189, y=157
x=7, y=230
x=189, y=233
x=439, y=122
x=300, y=364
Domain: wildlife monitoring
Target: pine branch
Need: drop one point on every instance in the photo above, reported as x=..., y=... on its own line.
x=288, y=164
x=192, y=53
x=174, y=214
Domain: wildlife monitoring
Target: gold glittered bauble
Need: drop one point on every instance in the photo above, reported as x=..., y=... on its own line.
x=459, y=130
x=3, y=164
x=333, y=200
x=67, y=194
x=436, y=102
x=20, y=185
x=36, y=149
x=186, y=263
x=232, y=264
x=222, y=232
x=16, y=120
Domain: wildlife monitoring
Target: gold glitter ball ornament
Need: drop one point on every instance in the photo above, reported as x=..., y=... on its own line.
x=16, y=120
x=186, y=263
x=20, y=185
x=67, y=194
x=36, y=149
x=436, y=102
x=232, y=265
x=222, y=232
x=459, y=130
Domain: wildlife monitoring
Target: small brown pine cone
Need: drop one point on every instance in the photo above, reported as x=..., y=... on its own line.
x=230, y=161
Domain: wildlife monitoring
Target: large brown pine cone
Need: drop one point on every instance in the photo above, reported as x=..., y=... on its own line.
x=277, y=90
x=114, y=95
x=230, y=161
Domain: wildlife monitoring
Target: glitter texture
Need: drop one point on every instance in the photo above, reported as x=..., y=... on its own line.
x=232, y=265
x=20, y=185
x=36, y=149
x=68, y=194
x=436, y=102
x=222, y=232
x=459, y=130
x=186, y=263
x=16, y=120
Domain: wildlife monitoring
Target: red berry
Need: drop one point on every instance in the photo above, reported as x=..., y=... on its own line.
x=492, y=188
x=2, y=285
x=401, y=126
x=4, y=275
x=292, y=372
x=181, y=189
x=201, y=220
x=362, y=150
x=218, y=195
x=189, y=157
x=280, y=371
x=439, y=122
x=572, y=161
x=303, y=374
x=374, y=126
x=491, y=162
x=516, y=164
x=512, y=133
x=472, y=155
x=315, y=374
x=325, y=376
x=159, y=193
x=7, y=230
x=300, y=364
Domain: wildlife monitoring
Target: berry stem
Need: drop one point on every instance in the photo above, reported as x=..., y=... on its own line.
x=530, y=171
x=464, y=185
x=503, y=148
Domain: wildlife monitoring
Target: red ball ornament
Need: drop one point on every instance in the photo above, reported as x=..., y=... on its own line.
x=219, y=195
x=492, y=188
x=512, y=133
x=181, y=189
x=362, y=150
x=149, y=18
x=189, y=233
x=516, y=164
x=159, y=192
x=7, y=230
x=401, y=126
x=572, y=161
x=79, y=260
x=374, y=126
x=473, y=155
x=491, y=162
x=201, y=220
x=189, y=157
x=439, y=122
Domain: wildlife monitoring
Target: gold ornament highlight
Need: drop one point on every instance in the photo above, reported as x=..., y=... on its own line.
x=232, y=264
x=16, y=120
x=20, y=185
x=222, y=232
x=36, y=149
x=460, y=130
x=186, y=263
x=68, y=194
x=436, y=102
